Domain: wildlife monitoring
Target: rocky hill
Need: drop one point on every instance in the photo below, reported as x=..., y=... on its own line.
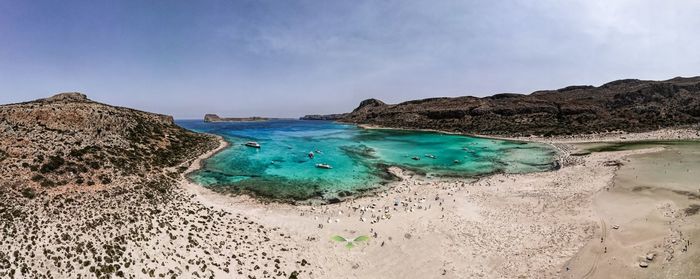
x=89, y=190
x=68, y=139
x=627, y=105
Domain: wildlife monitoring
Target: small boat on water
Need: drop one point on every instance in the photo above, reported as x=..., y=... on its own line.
x=311, y=155
x=416, y=158
x=431, y=156
x=252, y=144
x=324, y=166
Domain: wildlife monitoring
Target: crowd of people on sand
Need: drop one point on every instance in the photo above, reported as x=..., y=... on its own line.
x=374, y=213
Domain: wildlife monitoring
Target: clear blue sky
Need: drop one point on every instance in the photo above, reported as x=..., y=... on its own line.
x=289, y=58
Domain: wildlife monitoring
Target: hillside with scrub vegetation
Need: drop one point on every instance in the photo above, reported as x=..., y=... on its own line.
x=89, y=190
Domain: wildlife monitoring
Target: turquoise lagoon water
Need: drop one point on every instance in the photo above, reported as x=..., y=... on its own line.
x=282, y=169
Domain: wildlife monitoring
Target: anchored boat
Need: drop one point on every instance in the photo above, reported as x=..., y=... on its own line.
x=324, y=166
x=252, y=144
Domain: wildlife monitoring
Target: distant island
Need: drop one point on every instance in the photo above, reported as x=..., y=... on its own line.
x=336, y=116
x=216, y=118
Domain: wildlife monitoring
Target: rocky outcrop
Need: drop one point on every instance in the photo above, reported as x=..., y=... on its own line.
x=211, y=118
x=628, y=105
x=68, y=97
x=368, y=105
x=331, y=117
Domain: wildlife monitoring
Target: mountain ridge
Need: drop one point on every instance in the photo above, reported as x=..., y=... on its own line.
x=629, y=105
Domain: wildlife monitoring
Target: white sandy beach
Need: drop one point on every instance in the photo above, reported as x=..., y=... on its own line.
x=537, y=225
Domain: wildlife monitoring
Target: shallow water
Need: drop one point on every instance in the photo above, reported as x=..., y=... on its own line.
x=282, y=169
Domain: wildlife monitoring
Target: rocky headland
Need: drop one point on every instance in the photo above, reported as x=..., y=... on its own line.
x=628, y=105
x=92, y=190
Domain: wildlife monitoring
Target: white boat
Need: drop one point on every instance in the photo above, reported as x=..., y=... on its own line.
x=324, y=166
x=252, y=144
x=431, y=156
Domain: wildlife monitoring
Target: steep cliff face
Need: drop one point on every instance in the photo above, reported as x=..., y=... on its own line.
x=629, y=105
x=68, y=139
